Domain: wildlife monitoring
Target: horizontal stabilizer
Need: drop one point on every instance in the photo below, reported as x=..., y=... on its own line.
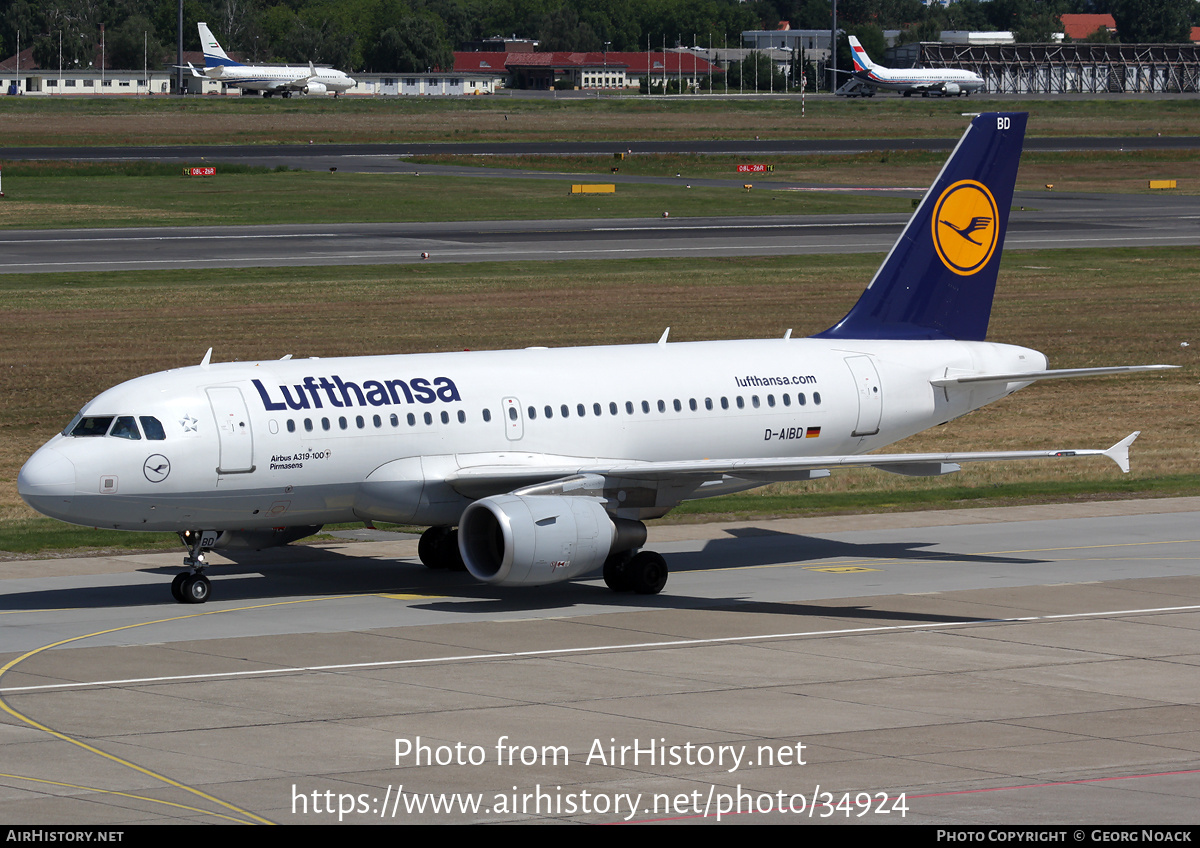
x=1119, y=453
x=1059, y=374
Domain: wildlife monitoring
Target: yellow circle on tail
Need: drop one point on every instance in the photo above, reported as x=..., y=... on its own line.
x=965, y=229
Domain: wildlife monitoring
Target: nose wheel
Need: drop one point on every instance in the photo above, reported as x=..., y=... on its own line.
x=192, y=587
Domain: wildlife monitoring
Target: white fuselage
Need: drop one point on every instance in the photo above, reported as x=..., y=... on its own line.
x=279, y=77
x=314, y=441
x=918, y=80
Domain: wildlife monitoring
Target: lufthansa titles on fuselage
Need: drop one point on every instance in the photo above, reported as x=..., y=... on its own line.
x=316, y=392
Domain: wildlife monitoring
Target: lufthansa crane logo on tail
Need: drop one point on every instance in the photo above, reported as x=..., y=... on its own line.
x=965, y=227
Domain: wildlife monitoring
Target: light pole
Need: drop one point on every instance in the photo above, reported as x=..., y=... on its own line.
x=604, y=79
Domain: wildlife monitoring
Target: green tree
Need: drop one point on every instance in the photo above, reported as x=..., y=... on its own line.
x=1153, y=21
x=757, y=72
x=413, y=44
x=133, y=44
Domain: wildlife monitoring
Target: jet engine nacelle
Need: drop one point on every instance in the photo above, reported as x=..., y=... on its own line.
x=315, y=88
x=951, y=88
x=535, y=539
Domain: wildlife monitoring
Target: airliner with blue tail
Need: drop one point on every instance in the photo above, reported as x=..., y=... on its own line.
x=541, y=465
x=283, y=80
x=942, y=82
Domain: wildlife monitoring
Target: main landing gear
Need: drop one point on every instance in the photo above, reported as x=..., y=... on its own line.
x=438, y=549
x=644, y=572
x=192, y=587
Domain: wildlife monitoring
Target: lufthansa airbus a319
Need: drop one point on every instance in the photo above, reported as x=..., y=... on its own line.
x=541, y=465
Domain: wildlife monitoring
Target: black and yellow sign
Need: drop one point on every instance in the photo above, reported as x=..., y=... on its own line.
x=964, y=225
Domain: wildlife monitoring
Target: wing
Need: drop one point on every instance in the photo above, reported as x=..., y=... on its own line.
x=671, y=482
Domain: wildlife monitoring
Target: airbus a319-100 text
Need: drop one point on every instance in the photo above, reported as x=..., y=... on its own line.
x=541, y=465
x=283, y=80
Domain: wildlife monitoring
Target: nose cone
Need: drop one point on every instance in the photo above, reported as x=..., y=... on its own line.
x=46, y=481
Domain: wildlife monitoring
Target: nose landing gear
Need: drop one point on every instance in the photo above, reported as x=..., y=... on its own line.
x=192, y=587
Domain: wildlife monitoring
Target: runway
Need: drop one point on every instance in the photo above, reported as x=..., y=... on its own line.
x=1053, y=221
x=999, y=666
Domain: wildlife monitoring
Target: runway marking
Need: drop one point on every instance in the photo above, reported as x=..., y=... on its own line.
x=123, y=795
x=170, y=238
x=4, y=705
x=1081, y=782
x=545, y=652
x=893, y=224
x=839, y=569
x=957, y=556
x=1015, y=243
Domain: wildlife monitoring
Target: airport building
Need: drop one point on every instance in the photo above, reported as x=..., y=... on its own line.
x=1071, y=68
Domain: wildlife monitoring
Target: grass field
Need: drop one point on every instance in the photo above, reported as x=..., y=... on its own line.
x=1107, y=171
x=48, y=195
x=69, y=337
x=64, y=194
x=70, y=121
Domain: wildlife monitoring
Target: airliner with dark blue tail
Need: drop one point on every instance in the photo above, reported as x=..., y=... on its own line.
x=541, y=465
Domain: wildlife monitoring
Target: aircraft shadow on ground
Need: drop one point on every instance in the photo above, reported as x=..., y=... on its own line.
x=278, y=574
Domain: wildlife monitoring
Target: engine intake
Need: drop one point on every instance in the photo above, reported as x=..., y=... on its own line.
x=534, y=540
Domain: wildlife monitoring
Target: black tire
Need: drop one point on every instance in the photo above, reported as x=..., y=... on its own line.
x=449, y=554
x=177, y=587
x=429, y=548
x=648, y=573
x=196, y=589
x=616, y=572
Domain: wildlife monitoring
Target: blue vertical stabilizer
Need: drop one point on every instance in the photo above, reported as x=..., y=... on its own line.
x=939, y=279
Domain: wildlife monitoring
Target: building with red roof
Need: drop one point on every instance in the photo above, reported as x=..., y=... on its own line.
x=1079, y=27
x=596, y=70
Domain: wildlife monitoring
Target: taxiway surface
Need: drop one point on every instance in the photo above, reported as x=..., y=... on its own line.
x=1020, y=665
x=1053, y=221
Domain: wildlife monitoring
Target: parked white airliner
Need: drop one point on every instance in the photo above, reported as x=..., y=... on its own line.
x=549, y=460
x=269, y=79
x=941, y=81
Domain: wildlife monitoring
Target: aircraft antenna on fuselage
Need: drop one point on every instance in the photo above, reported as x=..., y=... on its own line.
x=207, y=358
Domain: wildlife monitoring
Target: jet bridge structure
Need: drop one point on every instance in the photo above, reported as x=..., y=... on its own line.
x=1071, y=68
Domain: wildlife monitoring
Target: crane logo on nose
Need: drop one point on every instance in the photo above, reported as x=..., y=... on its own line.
x=156, y=468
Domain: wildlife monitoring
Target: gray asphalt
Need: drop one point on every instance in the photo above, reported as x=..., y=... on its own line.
x=1053, y=220
x=1004, y=666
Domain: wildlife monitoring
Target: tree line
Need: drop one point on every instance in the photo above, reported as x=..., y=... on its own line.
x=398, y=36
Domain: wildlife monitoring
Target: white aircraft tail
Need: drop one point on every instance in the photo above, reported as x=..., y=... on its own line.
x=862, y=62
x=213, y=54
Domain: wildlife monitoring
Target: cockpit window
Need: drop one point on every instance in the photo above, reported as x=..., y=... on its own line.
x=153, y=428
x=125, y=428
x=71, y=425
x=92, y=425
